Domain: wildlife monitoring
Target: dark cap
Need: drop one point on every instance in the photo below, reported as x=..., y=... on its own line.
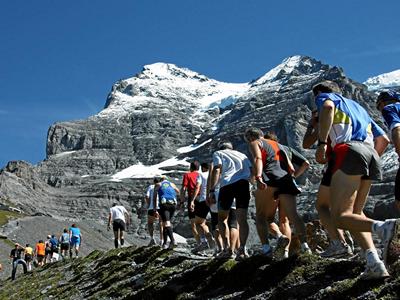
x=389, y=95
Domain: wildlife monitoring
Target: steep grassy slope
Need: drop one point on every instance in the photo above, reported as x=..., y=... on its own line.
x=152, y=273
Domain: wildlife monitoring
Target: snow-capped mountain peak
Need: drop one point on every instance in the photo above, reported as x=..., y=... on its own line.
x=161, y=84
x=287, y=67
x=168, y=71
x=384, y=81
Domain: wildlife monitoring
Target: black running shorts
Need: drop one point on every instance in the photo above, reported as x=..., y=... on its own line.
x=118, y=224
x=167, y=211
x=285, y=185
x=201, y=209
x=64, y=246
x=239, y=191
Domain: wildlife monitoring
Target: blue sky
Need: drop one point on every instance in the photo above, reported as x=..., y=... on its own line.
x=59, y=59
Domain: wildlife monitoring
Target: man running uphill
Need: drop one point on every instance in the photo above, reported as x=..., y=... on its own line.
x=119, y=217
x=75, y=238
x=355, y=165
x=167, y=194
x=232, y=170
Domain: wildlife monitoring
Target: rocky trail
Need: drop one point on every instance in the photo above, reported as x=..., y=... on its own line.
x=153, y=273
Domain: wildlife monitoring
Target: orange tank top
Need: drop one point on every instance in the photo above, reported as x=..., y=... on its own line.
x=40, y=249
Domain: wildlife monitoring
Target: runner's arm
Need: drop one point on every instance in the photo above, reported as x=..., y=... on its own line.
x=196, y=191
x=127, y=217
x=311, y=135
x=208, y=199
x=300, y=161
x=183, y=190
x=396, y=139
x=257, y=164
x=381, y=143
x=215, y=175
x=175, y=188
x=108, y=224
x=155, y=193
x=325, y=125
x=147, y=200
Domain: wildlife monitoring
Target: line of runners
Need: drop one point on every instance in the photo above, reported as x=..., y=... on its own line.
x=349, y=144
x=50, y=250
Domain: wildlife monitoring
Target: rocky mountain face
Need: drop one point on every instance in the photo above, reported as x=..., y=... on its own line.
x=152, y=273
x=159, y=120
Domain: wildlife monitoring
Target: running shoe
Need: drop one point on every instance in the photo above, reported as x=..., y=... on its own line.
x=201, y=247
x=225, y=254
x=281, y=245
x=336, y=249
x=305, y=248
x=165, y=246
x=152, y=242
x=172, y=245
x=241, y=253
x=216, y=252
x=375, y=271
x=286, y=254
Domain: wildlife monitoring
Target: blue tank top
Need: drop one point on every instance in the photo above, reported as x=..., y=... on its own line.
x=75, y=232
x=166, y=192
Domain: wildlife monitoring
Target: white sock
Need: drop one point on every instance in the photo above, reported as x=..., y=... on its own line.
x=372, y=256
x=279, y=234
x=304, y=246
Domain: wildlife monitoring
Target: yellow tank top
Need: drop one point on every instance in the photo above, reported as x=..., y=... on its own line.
x=28, y=250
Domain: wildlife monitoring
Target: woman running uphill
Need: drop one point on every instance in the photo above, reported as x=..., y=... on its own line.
x=269, y=159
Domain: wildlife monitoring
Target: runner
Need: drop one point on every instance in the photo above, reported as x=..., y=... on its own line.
x=40, y=252
x=213, y=205
x=232, y=169
x=355, y=164
x=119, y=217
x=300, y=164
x=16, y=253
x=388, y=104
x=75, y=238
x=28, y=256
x=54, y=248
x=64, y=243
x=48, y=249
x=188, y=186
x=270, y=158
x=341, y=243
x=167, y=194
x=153, y=214
x=16, y=256
x=201, y=209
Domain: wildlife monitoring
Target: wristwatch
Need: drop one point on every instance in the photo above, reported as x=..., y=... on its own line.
x=322, y=143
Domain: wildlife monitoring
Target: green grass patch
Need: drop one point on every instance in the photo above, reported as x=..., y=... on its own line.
x=6, y=215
